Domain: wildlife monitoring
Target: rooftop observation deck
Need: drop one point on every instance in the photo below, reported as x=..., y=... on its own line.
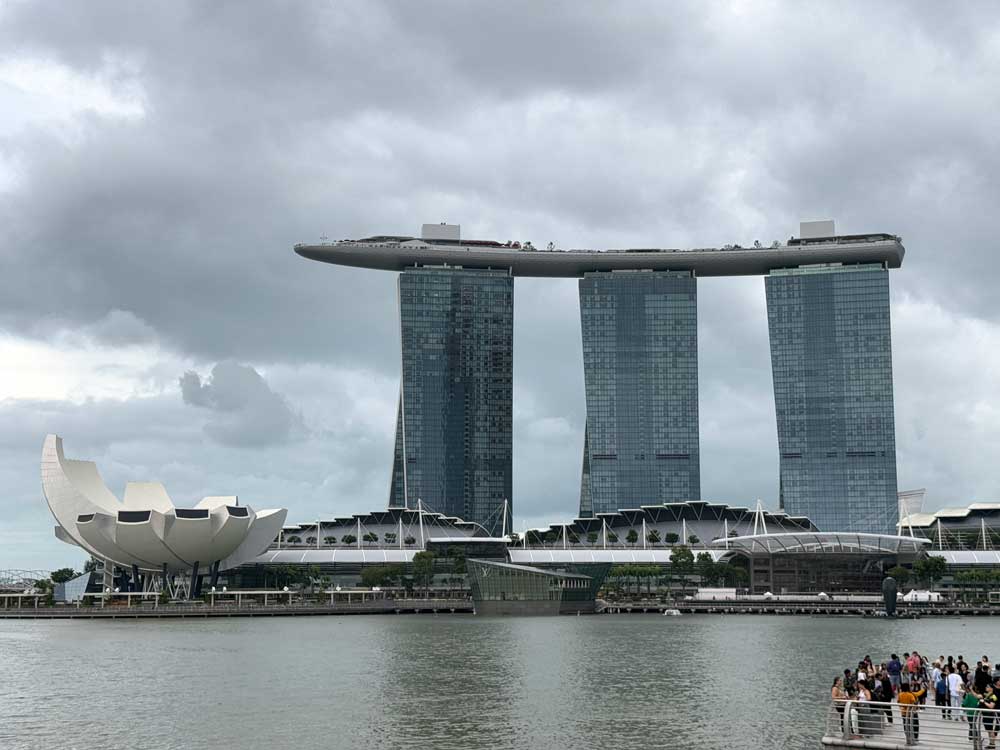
x=396, y=253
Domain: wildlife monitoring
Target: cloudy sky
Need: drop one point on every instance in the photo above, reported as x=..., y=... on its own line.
x=158, y=162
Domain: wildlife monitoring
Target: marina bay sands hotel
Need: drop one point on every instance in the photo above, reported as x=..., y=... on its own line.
x=831, y=360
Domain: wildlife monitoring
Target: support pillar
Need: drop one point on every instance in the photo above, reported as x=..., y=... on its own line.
x=192, y=589
x=214, y=573
x=166, y=579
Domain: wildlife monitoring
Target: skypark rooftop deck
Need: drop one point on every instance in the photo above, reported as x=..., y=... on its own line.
x=396, y=253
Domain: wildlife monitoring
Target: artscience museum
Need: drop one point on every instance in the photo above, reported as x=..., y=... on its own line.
x=164, y=547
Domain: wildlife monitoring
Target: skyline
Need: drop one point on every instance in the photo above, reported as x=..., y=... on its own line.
x=152, y=313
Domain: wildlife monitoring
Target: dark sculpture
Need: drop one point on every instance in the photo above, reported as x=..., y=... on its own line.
x=889, y=592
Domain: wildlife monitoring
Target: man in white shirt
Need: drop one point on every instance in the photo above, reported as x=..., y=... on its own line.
x=955, y=693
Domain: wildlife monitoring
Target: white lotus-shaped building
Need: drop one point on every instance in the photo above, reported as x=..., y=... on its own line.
x=145, y=531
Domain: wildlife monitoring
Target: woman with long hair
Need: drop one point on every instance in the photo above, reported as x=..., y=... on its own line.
x=839, y=697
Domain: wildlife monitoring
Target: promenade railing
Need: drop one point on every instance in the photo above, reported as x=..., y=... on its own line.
x=867, y=724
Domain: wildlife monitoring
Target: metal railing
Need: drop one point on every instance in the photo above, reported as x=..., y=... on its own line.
x=872, y=724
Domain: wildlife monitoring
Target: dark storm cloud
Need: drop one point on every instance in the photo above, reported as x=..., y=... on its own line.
x=245, y=411
x=594, y=125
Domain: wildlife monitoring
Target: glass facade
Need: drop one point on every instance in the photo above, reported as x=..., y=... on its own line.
x=504, y=588
x=640, y=358
x=831, y=362
x=454, y=422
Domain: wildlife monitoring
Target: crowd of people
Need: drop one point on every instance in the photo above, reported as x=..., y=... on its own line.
x=871, y=693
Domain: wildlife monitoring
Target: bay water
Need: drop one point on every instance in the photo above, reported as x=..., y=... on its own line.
x=445, y=681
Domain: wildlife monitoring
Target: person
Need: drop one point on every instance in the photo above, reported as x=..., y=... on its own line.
x=909, y=697
x=988, y=702
x=886, y=694
x=981, y=678
x=940, y=683
x=862, y=672
x=913, y=667
x=849, y=681
x=970, y=702
x=861, y=713
x=839, y=696
x=894, y=668
x=955, y=690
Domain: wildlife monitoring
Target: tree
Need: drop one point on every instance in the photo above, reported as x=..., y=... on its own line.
x=293, y=539
x=371, y=537
x=612, y=537
x=375, y=575
x=329, y=541
x=653, y=536
x=410, y=541
x=62, y=575
x=671, y=538
x=706, y=568
x=423, y=568
x=592, y=537
x=390, y=537
x=929, y=569
x=693, y=539
x=632, y=537
x=901, y=574
x=682, y=561
x=348, y=539
x=90, y=566
x=310, y=540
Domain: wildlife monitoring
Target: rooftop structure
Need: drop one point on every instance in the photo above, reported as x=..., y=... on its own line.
x=972, y=527
x=396, y=253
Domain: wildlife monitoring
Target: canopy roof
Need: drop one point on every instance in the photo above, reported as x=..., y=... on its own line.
x=831, y=542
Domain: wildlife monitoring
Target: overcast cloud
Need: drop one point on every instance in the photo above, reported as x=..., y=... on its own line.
x=157, y=163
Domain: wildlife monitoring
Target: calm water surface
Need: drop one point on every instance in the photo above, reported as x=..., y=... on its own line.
x=457, y=681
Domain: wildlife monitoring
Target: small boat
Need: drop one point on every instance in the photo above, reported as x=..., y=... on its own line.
x=671, y=613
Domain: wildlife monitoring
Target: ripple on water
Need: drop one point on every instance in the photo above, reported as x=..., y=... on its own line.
x=443, y=682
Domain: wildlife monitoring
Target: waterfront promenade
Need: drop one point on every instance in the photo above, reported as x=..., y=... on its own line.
x=831, y=607
x=870, y=728
x=199, y=610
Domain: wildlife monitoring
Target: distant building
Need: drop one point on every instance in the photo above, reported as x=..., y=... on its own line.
x=640, y=359
x=831, y=361
x=500, y=588
x=828, y=318
x=453, y=449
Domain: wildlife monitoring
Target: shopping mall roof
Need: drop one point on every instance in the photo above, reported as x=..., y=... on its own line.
x=829, y=542
x=974, y=511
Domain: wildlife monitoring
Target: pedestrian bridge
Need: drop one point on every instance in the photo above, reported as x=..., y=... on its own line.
x=853, y=724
